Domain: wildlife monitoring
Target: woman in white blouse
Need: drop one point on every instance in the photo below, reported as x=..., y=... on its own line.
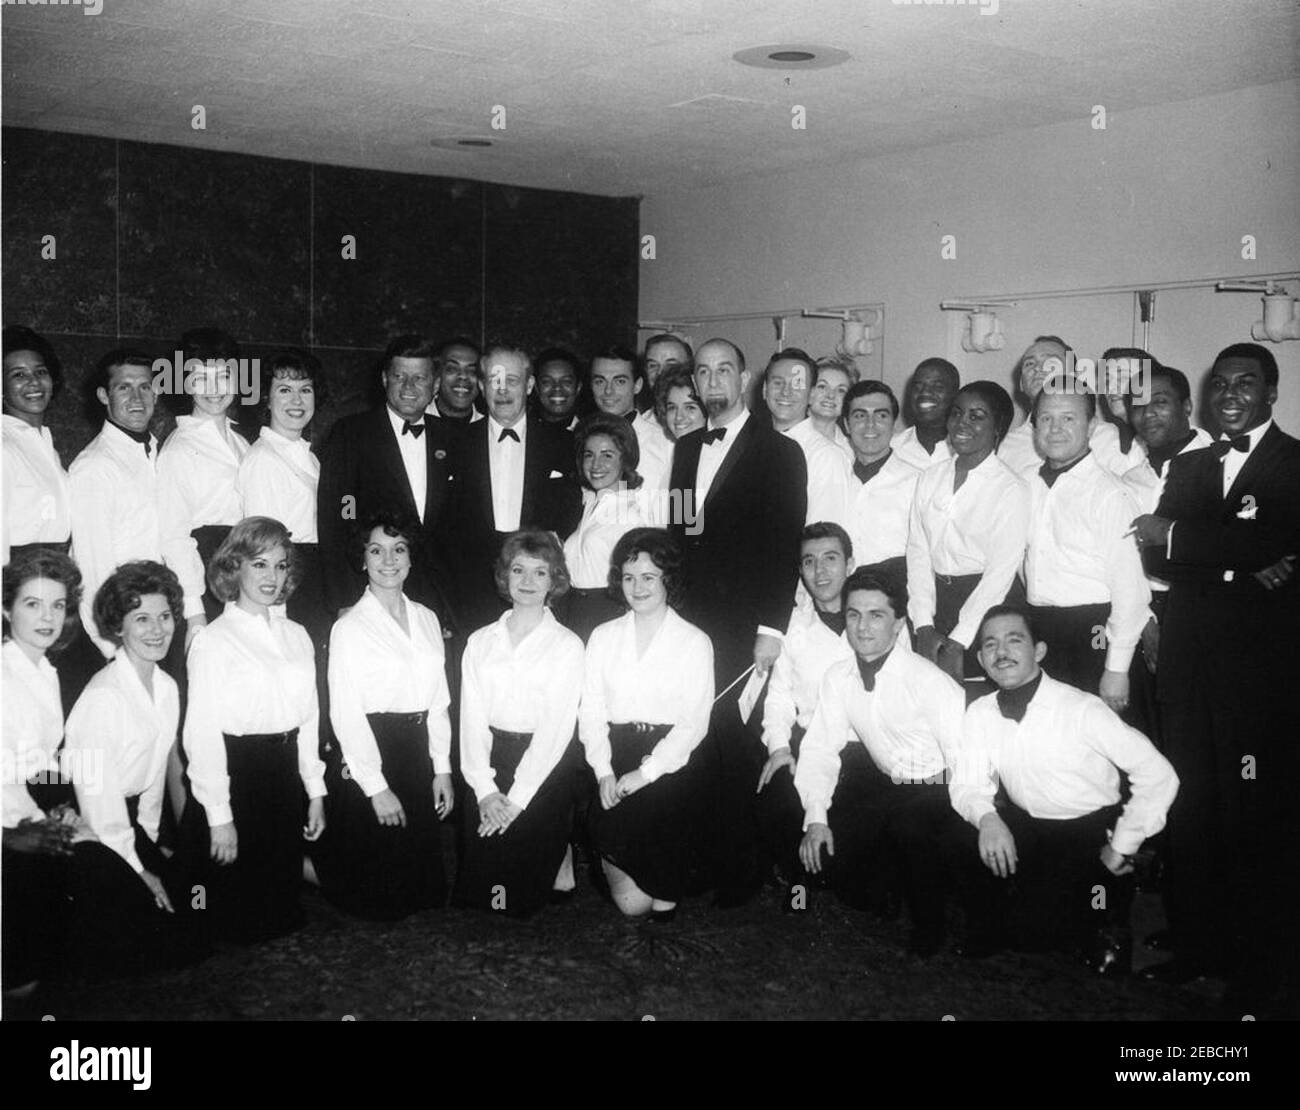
x=278, y=479
x=119, y=736
x=389, y=706
x=646, y=698
x=966, y=533
x=41, y=593
x=198, y=466
x=520, y=682
x=614, y=501
x=251, y=731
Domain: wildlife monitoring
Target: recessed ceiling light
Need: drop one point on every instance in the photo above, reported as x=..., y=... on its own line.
x=791, y=56
x=470, y=142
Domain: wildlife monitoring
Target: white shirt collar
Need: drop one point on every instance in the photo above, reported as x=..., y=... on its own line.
x=733, y=429
x=519, y=427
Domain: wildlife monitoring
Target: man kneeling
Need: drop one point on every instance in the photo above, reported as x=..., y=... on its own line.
x=890, y=819
x=1062, y=835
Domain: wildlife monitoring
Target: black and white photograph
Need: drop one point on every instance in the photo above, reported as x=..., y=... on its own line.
x=653, y=510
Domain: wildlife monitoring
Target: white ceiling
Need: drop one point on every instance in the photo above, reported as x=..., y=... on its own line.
x=615, y=96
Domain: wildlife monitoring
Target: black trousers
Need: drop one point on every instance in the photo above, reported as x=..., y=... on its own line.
x=1061, y=894
x=1076, y=642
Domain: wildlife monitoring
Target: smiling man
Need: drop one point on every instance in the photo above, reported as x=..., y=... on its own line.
x=891, y=815
x=456, y=382
x=930, y=392
x=1226, y=535
x=616, y=384
x=559, y=388
x=1062, y=831
x=113, y=481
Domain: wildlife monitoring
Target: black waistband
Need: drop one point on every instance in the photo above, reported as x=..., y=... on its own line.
x=636, y=728
x=956, y=579
x=413, y=720
x=589, y=591
x=506, y=734
x=290, y=737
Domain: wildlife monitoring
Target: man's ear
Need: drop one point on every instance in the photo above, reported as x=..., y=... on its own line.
x=639, y=383
x=102, y=394
x=529, y=387
x=1040, y=651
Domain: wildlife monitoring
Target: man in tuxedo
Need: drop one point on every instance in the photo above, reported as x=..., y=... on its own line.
x=1225, y=535
x=739, y=491
x=394, y=457
x=512, y=471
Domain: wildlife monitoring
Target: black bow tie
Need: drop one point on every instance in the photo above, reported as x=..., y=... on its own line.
x=508, y=433
x=409, y=429
x=715, y=435
x=1236, y=443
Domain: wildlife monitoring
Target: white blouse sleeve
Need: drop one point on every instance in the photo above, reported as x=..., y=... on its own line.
x=475, y=738
x=347, y=712
x=96, y=724
x=555, y=725
x=311, y=768
x=593, y=716
x=695, y=705
x=176, y=522
x=204, y=743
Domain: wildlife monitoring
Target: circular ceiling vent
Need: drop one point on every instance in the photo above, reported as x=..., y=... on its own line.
x=791, y=55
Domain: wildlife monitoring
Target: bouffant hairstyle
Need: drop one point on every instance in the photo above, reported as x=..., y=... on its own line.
x=20, y=338
x=621, y=432
x=663, y=552
x=536, y=544
x=394, y=523
x=251, y=537
x=679, y=377
x=44, y=563
x=121, y=592
x=294, y=365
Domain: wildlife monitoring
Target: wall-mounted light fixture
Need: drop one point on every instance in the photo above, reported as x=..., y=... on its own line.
x=983, y=330
x=1281, y=310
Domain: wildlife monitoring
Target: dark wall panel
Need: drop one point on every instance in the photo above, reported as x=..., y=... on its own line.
x=65, y=186
x=212, y=236
x=418, y=264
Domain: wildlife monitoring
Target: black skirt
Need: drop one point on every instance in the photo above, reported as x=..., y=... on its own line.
x=952, y=591
x=386, y=872
x=256, y=897
x=645, y=835
x=514, y=872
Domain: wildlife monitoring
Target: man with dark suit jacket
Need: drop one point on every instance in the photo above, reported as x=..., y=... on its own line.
x=1225, y=536
x=391, y=457
x=512, y=471
x=739, y=492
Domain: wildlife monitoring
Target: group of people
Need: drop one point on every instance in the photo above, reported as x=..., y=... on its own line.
x=714, y=628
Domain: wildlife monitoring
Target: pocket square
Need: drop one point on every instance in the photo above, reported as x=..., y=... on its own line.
x=556, y=474
x=440, y=454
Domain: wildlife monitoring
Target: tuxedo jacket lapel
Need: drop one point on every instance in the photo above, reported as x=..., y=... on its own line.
x=1258, y=465
x=391, y=458
x=743, y=443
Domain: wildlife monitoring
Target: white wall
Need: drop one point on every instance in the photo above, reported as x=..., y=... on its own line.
x=1163, y=194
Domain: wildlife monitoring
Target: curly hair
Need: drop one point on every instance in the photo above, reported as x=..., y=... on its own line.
x=679, y=377
x=55, y=566
x=536, y=544
x=624, y=438
x=663, y=552
x=17, y=337
x=121, y=593
x=251, y=537
x=393, y=521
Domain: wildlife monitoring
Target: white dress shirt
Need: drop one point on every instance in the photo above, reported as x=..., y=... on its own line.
x=1079, y=553
x=907, y=446
x=415, y=459
x=656, y=451
x=1234, y=461
x=880, y=511
x=506, y=473
x=810, y=649
x=375, y=667
x=1062, y=761
x=31, y=727
x=278, y=479
x=910, y=724
x=1146, y=485
x=129, y=732
x=979, y=529
x=114, y=513
x=830, y=475
x=606, y=517
x=712, y=455
x=37, y=505
x=670, y=684
x=249, y=675
x=529, y=687
x=197, y=471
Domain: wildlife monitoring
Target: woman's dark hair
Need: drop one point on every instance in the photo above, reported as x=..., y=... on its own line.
x=677, y=377
x=663, y=552
x=999, y=403
x=20, y=338
x=536, y=544
x=394, y=522
x=44, y=563
x=121, y=593
x=204, y=345
x=624, y=437
x=251, y=537
x=296, y=365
